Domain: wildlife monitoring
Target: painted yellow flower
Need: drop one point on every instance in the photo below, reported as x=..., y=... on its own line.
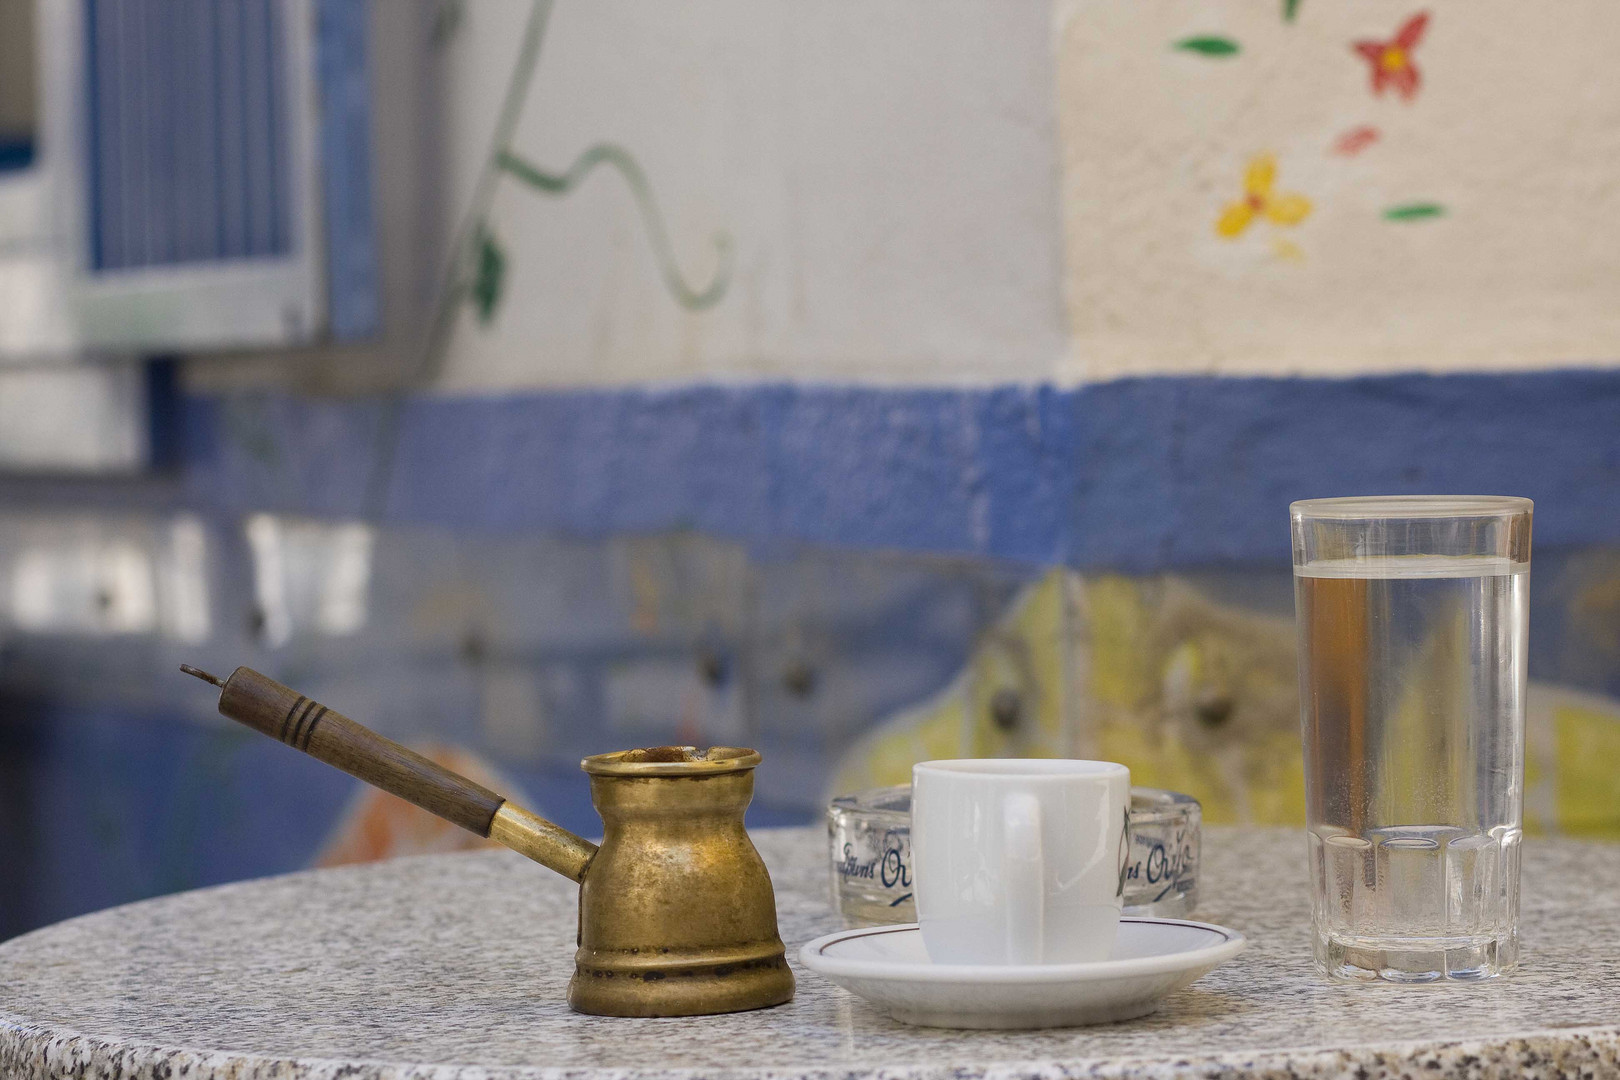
x=1259, y=199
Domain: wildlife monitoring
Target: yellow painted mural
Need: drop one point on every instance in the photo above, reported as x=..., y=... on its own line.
x=1194, y=695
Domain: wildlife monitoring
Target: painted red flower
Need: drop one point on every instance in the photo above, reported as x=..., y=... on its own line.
x=1356, y=140
x=1392, y=60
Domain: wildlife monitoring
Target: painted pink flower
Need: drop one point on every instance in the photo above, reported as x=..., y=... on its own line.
x=1392, y=60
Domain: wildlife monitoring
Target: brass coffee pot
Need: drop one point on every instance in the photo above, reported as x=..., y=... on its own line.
x=676, y=912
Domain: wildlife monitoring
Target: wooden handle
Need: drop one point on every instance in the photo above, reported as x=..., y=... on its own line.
x=288, y=716
x=303, y=724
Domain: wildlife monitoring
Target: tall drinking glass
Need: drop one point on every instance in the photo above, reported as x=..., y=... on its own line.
x=1413, y=613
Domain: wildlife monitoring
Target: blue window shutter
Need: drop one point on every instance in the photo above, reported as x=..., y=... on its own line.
x=189, y=155
x=353, y=284
x=187, y=121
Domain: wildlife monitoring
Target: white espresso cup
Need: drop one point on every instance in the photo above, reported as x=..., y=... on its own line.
x=1019, y=860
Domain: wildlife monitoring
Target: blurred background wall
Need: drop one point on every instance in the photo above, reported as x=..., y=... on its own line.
x=863, y=383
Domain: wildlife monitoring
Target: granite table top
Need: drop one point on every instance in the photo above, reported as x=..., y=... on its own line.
x=398, y=970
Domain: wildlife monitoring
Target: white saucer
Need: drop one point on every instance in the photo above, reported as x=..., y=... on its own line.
x=888, y=966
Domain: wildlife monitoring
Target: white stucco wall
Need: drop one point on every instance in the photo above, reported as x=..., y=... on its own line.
x=1509, y=143
x=968, y=191
x=887, y=172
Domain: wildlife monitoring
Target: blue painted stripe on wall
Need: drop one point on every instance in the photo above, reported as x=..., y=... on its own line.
x=1137, y=474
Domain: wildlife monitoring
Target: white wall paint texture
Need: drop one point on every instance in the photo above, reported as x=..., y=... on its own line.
x=1514, y=130
x=887, y=170
x=971, y=191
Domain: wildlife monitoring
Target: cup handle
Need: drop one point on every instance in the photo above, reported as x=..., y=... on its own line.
x=1024, y=869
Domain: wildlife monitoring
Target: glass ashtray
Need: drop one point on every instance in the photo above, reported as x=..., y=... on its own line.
x=869, y=837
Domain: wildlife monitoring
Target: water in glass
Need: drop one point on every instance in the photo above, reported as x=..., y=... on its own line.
x=1412, y=674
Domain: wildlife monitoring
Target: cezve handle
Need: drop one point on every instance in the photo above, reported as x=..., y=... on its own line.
x=284, y=714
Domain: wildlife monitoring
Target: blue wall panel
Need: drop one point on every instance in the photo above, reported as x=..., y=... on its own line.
x=342, y=63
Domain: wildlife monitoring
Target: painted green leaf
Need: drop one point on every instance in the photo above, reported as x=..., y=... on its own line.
x=488, y=276
x=1414, y=211
x=1209, y=46
x=1290, y=9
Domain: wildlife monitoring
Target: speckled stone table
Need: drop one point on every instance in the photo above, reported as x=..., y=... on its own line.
x=454, y=966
